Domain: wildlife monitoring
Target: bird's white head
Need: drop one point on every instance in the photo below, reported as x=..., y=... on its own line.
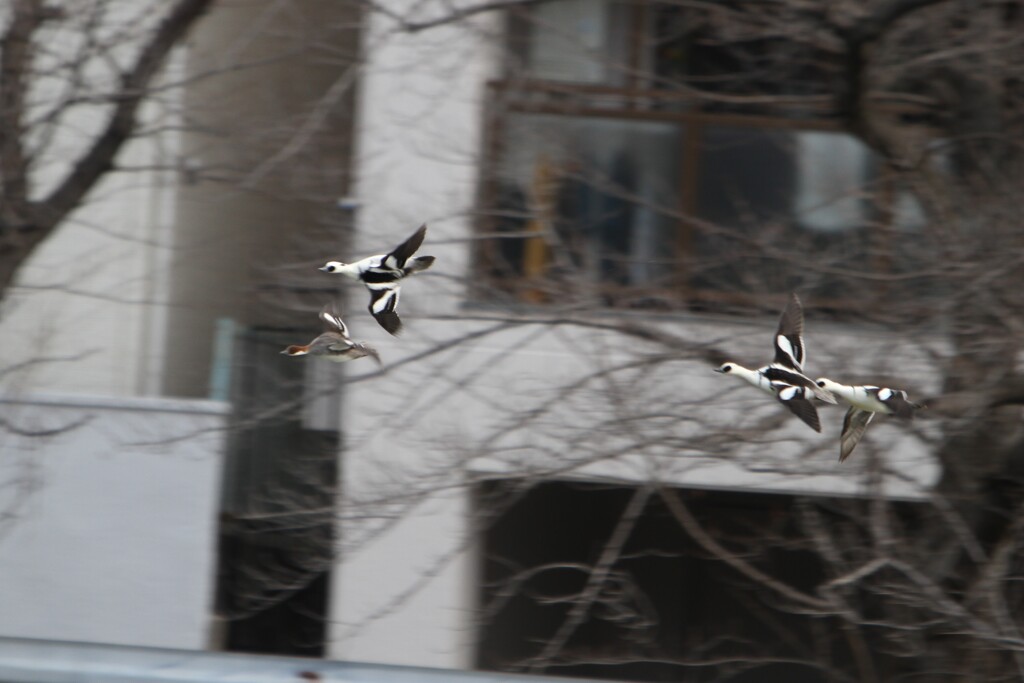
x=826, y=383
x=337, y=267
x=847, y=392
x=746, y=374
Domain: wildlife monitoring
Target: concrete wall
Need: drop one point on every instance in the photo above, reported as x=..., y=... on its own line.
x=108, y=524
x=406, y=596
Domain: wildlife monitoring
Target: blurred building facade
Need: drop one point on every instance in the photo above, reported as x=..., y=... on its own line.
x=224, y=477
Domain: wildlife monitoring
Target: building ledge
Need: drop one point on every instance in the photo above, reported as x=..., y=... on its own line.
x=24, y=660
x=121, y=403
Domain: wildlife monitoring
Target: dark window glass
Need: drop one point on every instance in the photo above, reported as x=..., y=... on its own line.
x=668, y=610
x=588, y=201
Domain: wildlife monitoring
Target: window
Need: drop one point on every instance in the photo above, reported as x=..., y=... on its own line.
x=597, y=188
x=668, y=610
x=276, y=544
x=642, y=157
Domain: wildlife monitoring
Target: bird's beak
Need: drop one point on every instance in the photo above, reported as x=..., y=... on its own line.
x=718, y=370
x=323, y=268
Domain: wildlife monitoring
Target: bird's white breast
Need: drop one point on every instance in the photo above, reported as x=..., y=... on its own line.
x=757, y=378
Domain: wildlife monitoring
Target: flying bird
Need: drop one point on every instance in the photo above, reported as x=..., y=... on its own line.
x=382, y=274
x=865, y=401
x=784, y=377
x=334, y=344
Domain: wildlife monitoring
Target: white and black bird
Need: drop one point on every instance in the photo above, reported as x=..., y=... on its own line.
x=865, y=401
x=382, y=274
x=784, y=377
x=334, y=344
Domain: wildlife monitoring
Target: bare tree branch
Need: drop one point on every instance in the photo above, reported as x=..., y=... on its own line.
x=16, y=52
x=26, y=223
x=134, y=86
x=693, y=528
x=853, y=103
x=595, y=581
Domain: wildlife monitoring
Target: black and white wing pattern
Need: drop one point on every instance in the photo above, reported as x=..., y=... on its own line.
x=333, y=321
x=382, y=279
x=336, y=337
x=339, y=345
x=782, y=377
x=789, y=338
x=795, y=390
x=395, y=261
x=795, y=398
x=790, y=354
x=854, y=425
x=383, y=302
x=896, y=401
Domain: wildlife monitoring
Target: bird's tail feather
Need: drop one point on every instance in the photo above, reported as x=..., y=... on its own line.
x=372, y=353
x=417, y=264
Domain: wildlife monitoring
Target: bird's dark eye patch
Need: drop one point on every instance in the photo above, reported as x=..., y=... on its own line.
x=330, y=269
x=726, y=368
x=821, y=384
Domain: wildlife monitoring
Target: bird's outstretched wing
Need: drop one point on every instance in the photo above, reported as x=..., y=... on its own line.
x=788, y=377
x=333, y=321
x=789, y=338
x=854, y=425
x=383, y=302
x=338, y=345
x=400, y=254
x=795, y=399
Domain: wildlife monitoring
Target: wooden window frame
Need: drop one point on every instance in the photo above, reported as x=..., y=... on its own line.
x=510, y=96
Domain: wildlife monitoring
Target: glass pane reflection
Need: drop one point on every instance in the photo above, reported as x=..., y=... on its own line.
x=601, y=194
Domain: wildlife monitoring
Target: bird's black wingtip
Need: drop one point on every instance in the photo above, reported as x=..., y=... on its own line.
x=390, y=321
x=406, y=249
